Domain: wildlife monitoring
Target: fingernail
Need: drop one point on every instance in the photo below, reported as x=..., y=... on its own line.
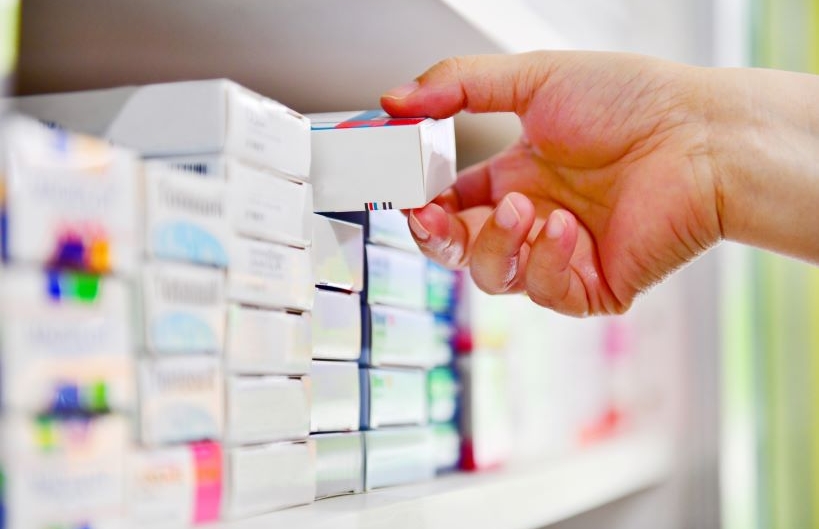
x=507, y=216
x=417, y=228
x=555, y=226
x=402, y=91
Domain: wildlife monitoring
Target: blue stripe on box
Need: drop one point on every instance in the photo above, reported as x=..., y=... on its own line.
x=367, y=115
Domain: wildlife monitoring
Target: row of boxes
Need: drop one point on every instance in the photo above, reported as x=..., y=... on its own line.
x=213, y=285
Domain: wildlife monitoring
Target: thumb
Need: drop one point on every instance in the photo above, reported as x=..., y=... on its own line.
x=477, y=83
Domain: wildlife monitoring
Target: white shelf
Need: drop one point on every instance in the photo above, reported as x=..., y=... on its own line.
x=312, y=55
x=525, y=497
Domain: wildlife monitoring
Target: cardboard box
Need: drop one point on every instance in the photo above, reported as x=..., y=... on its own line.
x=270, y=275
x=70, y=201
x=442, y=286
x=186, y=216
x=398, y=337
x=395, y=277
x=446, y=443
x=339, y=463
x=396, y=456
x=442, y=394
x=267, y=342
x=65, y=342
x=381, y=227
x=262, y=409
x=176, y=486
x=269, y=477
x=184, y=309
x=60, y=472
x=261, y=204
x=486, y=410
x=393, y=397
x=338, y=254
x=367, y=160
x=185, y=118
x=336, y=401
x=181, y=400
x=336, y=325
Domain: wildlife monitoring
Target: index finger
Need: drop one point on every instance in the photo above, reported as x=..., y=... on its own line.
x=477, y=83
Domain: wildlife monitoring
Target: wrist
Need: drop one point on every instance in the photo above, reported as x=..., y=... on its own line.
x=764, y=138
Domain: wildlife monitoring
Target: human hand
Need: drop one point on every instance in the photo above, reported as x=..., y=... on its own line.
x=610, y=188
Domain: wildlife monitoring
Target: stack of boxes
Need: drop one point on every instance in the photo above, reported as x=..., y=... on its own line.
x=70, y=249
x=215, y=273
x=227, y=293
x=405, y=348
x=368, y=160
x=338, y=257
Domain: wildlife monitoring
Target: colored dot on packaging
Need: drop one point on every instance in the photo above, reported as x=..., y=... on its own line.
x=86, y=287
x=99, y=256
x=45, y=435
x=98, y=397
x=53, y=285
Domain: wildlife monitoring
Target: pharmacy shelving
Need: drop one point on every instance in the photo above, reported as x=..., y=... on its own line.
x=520, y=496
x=312, y=55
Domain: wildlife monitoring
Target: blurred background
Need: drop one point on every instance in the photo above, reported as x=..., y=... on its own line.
x=723, y=358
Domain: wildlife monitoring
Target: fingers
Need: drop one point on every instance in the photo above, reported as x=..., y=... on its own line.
x=498, y=255
x=479, y=83
x=446, y=238
x=550, y=279
x=557, y=269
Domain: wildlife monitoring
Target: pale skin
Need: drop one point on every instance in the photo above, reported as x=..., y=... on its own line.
x=628, y=168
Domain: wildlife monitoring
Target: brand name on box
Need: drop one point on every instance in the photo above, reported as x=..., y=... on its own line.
x=69, y=193
x=184, y=199
x=178, y=290
x=186, y=380
x=68, y=338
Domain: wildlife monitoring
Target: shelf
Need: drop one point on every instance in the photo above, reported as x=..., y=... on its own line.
x=522, y=497
x=312, y=55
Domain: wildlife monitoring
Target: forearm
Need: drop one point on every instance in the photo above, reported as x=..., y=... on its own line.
x=764, y=132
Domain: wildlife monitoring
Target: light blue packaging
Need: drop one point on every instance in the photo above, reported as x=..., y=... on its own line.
x=181, y=400
x=186, y=216
x=184, y=309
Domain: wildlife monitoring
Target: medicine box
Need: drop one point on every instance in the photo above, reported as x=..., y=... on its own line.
x=396, y=277
x=264, y=341
x=334, y=388
x=181, y=400
x=174, y=487
x=65, y=341
x=338, y=254
x=398, y=337
x=367, y=160
x=261, y=204
x=64, y=472
x=336, y=325
x=442, y=394
x=397, y=456
x=268, y=477
x=269, y=275
x=446, y=443
x=393, y=397
x=262, y=409
x=186, y=216
x=381, y=227
x=185, y=118
x=71, y=201
x=184, y=309
x=339, y=463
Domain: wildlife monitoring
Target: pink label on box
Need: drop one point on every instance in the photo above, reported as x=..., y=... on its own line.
x=208, y=460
